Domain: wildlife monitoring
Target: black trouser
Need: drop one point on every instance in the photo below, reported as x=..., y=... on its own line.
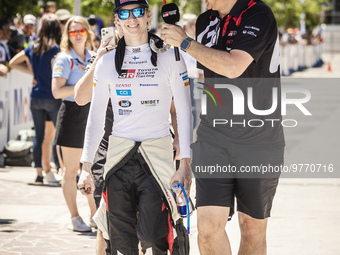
x=131, y=191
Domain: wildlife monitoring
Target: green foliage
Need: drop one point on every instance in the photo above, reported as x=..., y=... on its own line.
x=10, y=8
x=287, y=12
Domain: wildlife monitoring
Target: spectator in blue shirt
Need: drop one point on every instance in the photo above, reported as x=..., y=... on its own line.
x=68, y=68
x=43, y=104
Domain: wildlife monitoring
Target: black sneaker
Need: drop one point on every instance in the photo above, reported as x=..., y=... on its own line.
x=39, y=181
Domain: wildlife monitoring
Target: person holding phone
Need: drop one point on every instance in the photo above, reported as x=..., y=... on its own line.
x=140, y=84
x=68, y=68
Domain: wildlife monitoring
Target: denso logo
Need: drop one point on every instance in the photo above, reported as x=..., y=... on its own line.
x=123, y=85
x=123, y=92
x=124, y=103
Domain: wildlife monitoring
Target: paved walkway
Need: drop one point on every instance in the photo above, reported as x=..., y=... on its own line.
x=305, y=217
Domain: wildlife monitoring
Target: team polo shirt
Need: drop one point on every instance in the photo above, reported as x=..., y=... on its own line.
x=251, y=27
x=42, y=71
x=70, y=66
x=141, y=98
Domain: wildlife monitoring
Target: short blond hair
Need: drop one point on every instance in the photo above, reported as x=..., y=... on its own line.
x=65, y=44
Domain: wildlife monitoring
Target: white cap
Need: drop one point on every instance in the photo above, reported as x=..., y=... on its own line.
x=29, y=19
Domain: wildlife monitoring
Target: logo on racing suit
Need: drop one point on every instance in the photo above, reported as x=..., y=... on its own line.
x=123, y=85
x=150, y=102
x=146, y=73
x=148, y=85
x=127, y=74
x=124, y=103
x=185, y=77
x=124, y=112
x=123, y=92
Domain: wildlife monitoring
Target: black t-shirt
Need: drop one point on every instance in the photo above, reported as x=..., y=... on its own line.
x=251, y=27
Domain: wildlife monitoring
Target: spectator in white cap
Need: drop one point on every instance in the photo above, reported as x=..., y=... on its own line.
x=63, y=16
x=28, y=29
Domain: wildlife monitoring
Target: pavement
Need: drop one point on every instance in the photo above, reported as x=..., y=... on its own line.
x=305, y=217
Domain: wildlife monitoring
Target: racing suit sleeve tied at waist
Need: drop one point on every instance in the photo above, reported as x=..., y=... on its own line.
x=157, y=154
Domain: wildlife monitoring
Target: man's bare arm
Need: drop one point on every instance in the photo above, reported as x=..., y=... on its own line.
x=230, y=64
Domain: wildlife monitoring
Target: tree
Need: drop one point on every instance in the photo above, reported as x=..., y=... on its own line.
x=287, y=12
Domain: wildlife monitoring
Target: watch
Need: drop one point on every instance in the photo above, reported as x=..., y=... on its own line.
x=185, y=44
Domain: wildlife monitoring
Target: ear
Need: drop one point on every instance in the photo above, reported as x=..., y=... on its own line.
x=117, y=20
x=148, y=16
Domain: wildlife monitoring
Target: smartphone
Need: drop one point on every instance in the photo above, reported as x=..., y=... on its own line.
x=106, y=33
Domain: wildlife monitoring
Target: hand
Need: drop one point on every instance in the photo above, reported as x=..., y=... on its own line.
x=183, y=175
x=86, y=183
x=175, y=146
x=3, y=70
x=173, y=34
x=104, y=48
x=34, y=83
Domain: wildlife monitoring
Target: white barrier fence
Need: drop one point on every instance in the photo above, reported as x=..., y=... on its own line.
x=15, y=113
x=297, y=57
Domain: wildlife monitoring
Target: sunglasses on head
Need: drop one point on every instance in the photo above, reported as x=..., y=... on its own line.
x=81, y=32
x=137, y=13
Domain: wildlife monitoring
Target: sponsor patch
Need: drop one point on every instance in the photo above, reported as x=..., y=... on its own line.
x=124, y=103
x=249, y=33
x=184, y=73
x=123, y=92
x=148, y=85
x=186, y=84
x=124, y=1
x=126, y=74
x=58, y=69
x=185, y=77
x=124, y=112
x=136, y=49
x=150, y=102
x=232, y=33
x=252, y=27
x=120, y=85
x=94, y=84
x=146, y=73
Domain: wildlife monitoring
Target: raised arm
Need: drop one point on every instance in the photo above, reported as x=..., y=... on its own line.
x=83, y=88
x=230, y=64
x=19, y=62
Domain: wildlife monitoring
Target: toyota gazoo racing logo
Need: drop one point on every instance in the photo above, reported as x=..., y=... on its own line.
x=127, y=74
x=239, y=101
x=123, y=92
x=124, y=103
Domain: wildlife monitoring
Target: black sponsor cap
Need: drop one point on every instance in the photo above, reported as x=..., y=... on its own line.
x=121, y=3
